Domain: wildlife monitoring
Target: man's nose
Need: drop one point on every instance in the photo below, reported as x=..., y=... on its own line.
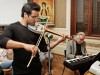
x=37, y=19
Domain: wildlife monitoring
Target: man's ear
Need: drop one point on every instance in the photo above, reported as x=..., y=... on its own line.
x=25, y=15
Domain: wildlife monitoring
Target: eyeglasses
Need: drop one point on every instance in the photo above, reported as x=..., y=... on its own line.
x=81, y=39
x=37, y=17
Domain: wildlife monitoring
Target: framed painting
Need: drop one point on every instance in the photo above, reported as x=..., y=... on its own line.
x=47, y=11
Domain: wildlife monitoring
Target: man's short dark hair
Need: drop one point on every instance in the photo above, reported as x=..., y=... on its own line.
x=28, y=7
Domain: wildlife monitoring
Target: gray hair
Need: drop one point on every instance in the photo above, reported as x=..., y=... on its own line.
x=78, y=35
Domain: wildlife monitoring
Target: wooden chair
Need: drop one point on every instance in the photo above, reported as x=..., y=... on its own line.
x=6, y=71
x=88, y=73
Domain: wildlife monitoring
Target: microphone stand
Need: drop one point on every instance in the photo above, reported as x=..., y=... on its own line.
x=49, y=36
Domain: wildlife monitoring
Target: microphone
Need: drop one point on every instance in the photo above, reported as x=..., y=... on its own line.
x=48, y=35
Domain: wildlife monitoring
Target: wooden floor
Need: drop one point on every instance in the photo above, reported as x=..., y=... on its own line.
x=57, y=67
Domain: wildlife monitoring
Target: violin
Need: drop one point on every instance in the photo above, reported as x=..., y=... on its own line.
x=40, y=29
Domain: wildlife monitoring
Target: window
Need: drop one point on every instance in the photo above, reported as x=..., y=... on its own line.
x=86, y=17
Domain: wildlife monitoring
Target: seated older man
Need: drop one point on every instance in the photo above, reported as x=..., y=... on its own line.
x=77, y=49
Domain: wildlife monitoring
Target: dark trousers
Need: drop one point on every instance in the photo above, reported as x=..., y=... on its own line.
x=35, y=73
x=31, y=73
x=82, y=72
x=83, y=69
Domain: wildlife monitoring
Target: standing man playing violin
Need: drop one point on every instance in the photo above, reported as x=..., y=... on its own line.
x=18, y=37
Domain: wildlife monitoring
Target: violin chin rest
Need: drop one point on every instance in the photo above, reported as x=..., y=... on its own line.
x=35, y=29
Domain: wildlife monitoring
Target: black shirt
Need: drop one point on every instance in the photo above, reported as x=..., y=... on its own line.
x=20, y=33
x=78, y=49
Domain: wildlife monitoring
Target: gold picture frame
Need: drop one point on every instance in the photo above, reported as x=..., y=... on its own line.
x=46, y=12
